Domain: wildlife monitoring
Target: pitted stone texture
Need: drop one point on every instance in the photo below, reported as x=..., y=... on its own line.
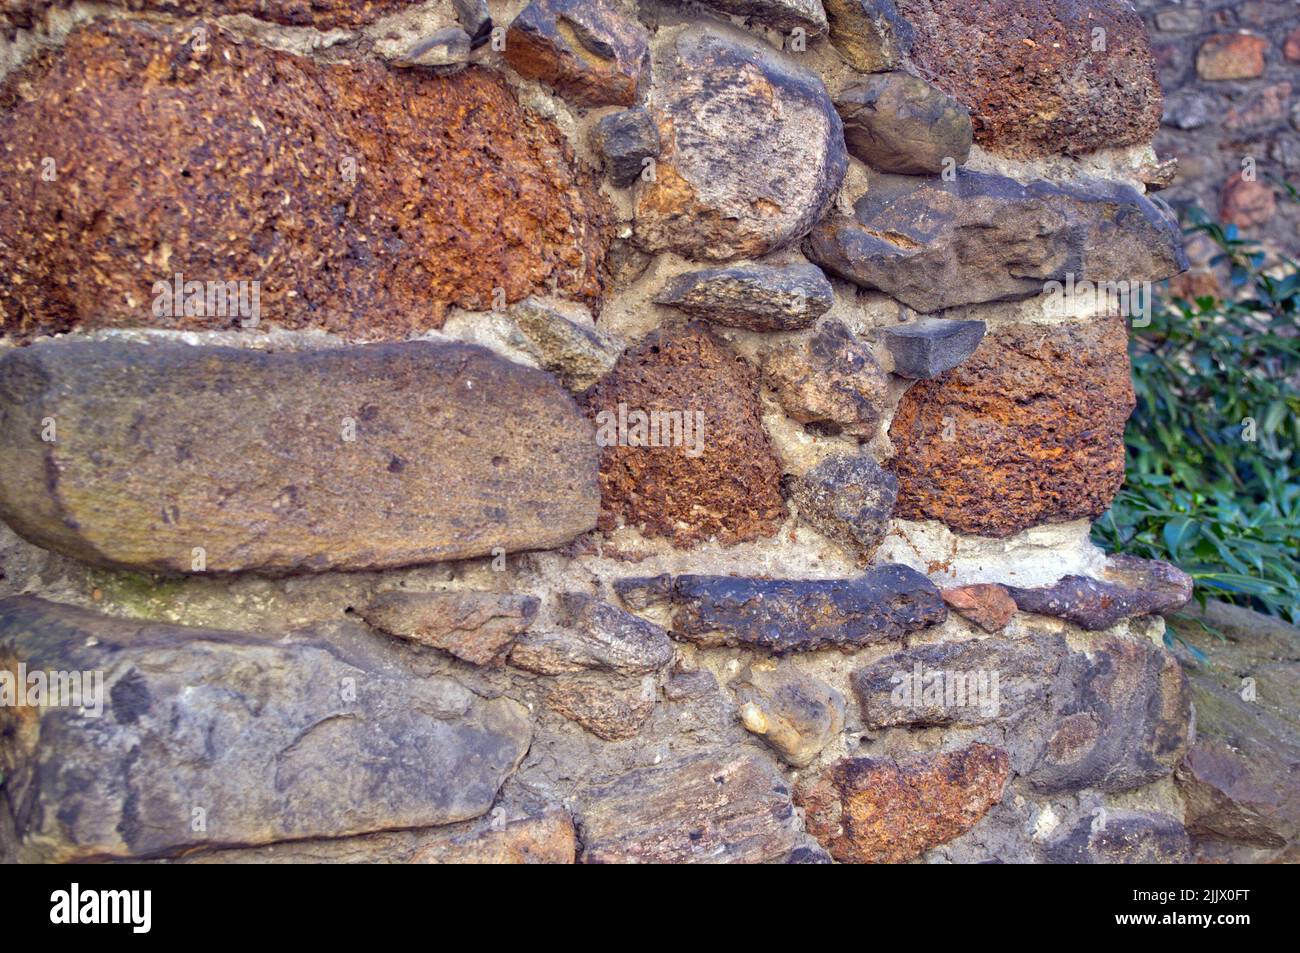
x=1128, y=586
x=1127, y=725
x=848, y=499
x=753, y=297
x=320, y=14
x=1029, y=430
x=1031, y=75
x=988, y=605
x=793, y=615
x=576, y=354
x=783, y=15
x=896, y=122
x=179, y=458
x=725, y=481
x=934, y=244
x=477, y=627
x=257, y=729
x=624, y=140
x=877, y=810
x=610, y=710
x=928, y=347
x=1115, y=836
x=753, y=150
x=829, y=380
x=796, y=714
x=870, y=34
x=589, y=53
x=364, y=201
x=594, y=635
x=713, y=807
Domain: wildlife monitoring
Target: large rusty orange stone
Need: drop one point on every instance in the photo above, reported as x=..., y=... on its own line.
x=1041, y=77
x=1028, y=430
x=364, y=200
x=882, y=811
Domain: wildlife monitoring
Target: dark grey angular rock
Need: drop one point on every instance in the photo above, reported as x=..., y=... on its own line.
x=1117, y=836
x=332, y=731
x=1128, y=587
x=794, y=615
x=848, y=499
x=930, y=346
x=594, y=635
x=934, y=244
x=870, y=34
x=753, y=297
x=475, y=18
x=784, y=15
x=896, y=122
x=624, y=140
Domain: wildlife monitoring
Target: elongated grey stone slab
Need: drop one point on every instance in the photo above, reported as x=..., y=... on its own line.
x=179, y=458
x=754, y=297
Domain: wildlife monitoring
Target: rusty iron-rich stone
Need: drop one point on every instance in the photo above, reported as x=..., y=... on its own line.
x=1037, y=76
x=987, y=604
x=257, y=729
x=796, y=714
x=878, y=810
x=753, y=297
x=936, y=244
x=793, y=615
x=320, y=14
x=870, y=34
x=178, y=458
x=1117, y=836
x=359, y=199
x=1028, y=430
x=848, y=499
x=594, y=635
x=1128, y=586
x=712, y=807
x=1126, y=726
x=896, y=122
x=708, y=471
x=478, y=627
x=753, y=150
x=829, y=380
x=589, y=53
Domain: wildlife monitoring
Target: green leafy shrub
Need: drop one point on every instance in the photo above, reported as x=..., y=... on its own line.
x=1213, y=479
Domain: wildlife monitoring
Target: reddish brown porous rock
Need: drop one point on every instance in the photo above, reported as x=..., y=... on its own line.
x=684, y=453
x=1028, y=430
x=1247, y=203
x=321, y=14
x=1231, y=56
x=348, y=197
x=882, y=811
x=988, y=605
x=1041, y=76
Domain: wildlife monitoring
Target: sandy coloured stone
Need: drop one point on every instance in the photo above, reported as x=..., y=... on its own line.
x=594, y=635
x=753, y=297
x=987, y=604
x=347, y=196
x=1127, y=586
x=878, y=810
x=869, y=34
x=610, y=710
x=1231, y=56
x=1028, y=430
x=576, y=354
x=830, y=380
x=796, y=714
x=478, y=627
x=177, y=458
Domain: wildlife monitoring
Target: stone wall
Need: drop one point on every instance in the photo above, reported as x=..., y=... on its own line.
x=587, y=431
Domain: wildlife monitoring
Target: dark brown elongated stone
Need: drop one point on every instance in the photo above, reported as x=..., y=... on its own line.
x=1128, y=586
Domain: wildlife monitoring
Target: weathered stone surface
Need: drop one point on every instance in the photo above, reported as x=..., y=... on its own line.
x=848, y=499
x=474, y=16
x=578, y=355
x=870, y=34
x=793, y=615
x=624, y=140
x=614, y=711
x=1114, y=836
x=784, y=15
x=1128, y=586
x=1247, y=203
x=829, y=380
x=794, y=713
x=1032, y=75
x=934, y=244
x=723, y=807
x=321, y=14
x=753, y=150
x=1231, y=56
x=443, y=50
x=928, y=347
x=478, y=627
x=340, y=188
x=722, y=479
x=1127, y=727
x=877, y=810
x=259, y=730
x=753, y=297
x=584, y=49
x=1030, y=429
x=595, y=635
x=988, y=605
x=970, y=683
x=896, y=122
x=288, y=461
